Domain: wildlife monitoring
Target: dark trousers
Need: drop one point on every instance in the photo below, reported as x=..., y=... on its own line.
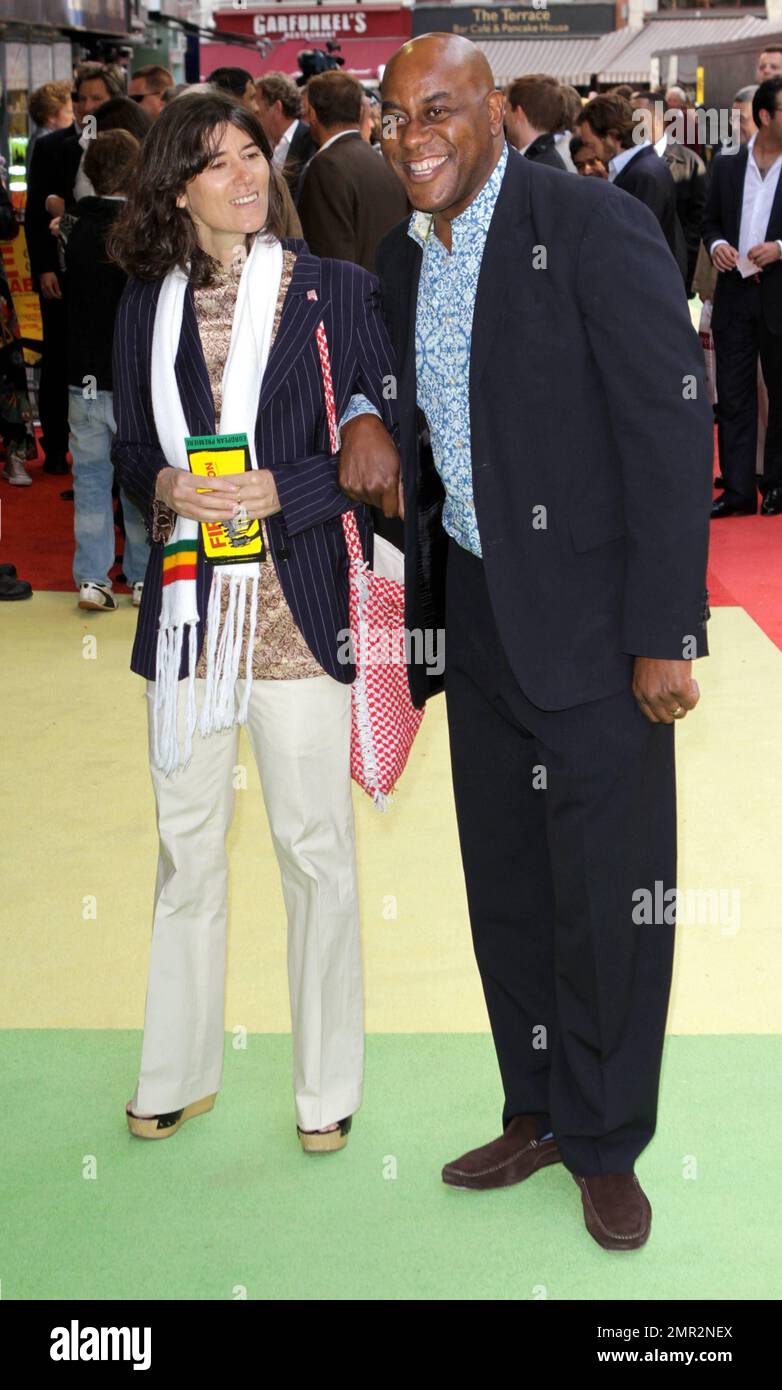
x=740, y=336
x=53, y=391
x=563, y=817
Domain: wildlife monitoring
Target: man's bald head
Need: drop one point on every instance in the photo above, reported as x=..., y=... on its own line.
x=442, y=121
x=444, y=50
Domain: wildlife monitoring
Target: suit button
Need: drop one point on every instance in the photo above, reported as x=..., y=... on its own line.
x=283, y=554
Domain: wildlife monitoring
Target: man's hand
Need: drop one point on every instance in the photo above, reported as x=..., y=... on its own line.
x=55, y=206
x=50, y=285
x=179, y=490
x=369, y=465
x=665, y=690
x=256, y=492
x=764, y=253
x=724, y=257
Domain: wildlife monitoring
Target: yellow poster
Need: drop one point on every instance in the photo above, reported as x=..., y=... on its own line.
x=16, y=268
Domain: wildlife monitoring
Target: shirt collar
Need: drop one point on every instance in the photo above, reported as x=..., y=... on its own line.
x=338, y=136
x=751, y=148
x=617, y=164
x=476, y=216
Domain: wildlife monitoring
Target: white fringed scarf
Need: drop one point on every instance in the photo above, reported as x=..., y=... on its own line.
x=245, y=365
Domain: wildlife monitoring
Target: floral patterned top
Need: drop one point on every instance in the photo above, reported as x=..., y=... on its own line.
x=443, y=335
x=279, y=650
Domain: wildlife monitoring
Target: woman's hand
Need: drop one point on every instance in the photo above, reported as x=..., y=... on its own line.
x=179, y=489
x=257, y=492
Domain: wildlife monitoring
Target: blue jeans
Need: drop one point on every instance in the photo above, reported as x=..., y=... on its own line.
x=92, y=428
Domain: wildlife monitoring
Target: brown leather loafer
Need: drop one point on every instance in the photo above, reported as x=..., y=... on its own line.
x=617, y=1211
x=511, y=1158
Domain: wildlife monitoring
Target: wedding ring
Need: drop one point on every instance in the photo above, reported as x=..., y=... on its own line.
x=677, y=714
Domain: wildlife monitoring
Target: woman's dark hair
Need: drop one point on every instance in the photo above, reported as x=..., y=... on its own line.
x=120, y=113
x=152, y=235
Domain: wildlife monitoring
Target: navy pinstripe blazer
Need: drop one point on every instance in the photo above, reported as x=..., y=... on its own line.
x=291, y=437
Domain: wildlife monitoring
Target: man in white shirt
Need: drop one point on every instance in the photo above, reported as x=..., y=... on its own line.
x=278, y=101
x=743, y=235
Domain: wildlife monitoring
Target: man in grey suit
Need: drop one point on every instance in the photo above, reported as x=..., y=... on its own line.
x=348, y=198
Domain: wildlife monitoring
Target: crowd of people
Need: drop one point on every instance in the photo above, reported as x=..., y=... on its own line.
x=342, y=204
x=256, y=260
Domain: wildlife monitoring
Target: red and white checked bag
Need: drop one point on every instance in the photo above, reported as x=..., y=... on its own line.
x=384, y=720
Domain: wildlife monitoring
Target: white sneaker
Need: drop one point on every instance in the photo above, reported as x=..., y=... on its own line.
x=138, y=589
x=15, y=471
x=96, y=596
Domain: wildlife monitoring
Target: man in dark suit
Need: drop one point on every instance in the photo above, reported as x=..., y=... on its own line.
x=53, y=170
x=688, y=170
x=560, y=540
x=535, y=109
x=742, y=232
x=279, y=111
x=607, y=127
x=348, y=199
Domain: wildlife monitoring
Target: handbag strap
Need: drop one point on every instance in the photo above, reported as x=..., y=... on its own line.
x=349, y=523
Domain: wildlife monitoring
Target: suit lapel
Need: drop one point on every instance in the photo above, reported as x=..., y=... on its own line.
x=742, y=160
x=504, y=246
x=302, y=311
x=195, y=388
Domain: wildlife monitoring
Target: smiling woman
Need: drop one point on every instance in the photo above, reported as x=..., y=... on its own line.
x=199, y=154
x=219, y=334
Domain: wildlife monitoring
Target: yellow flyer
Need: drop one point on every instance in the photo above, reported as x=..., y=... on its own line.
x=213, y=456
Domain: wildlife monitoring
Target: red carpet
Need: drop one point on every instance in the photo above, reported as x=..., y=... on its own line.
x=36, y=534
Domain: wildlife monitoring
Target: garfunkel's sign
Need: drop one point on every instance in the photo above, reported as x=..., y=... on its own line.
x=514, y=21
x=326, y=22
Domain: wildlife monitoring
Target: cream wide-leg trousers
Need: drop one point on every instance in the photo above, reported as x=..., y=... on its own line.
x=300, y=735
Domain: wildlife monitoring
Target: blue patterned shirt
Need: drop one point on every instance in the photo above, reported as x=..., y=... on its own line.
x=443, y=337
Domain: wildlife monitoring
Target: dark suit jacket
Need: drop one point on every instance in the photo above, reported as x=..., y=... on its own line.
x=688, y=172
x=53, y=169
x=348, y=199
x=544, y=150
x=722, y=218
x=291, y=436
x=567, y=415
x=300, y=150
x=648, y=178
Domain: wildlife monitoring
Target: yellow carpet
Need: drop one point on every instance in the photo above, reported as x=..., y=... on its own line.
x=80, y=840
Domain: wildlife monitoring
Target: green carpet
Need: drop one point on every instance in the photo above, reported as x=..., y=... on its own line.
x=230, y=1207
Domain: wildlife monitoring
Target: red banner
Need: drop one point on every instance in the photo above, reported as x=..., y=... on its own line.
x=317, y=23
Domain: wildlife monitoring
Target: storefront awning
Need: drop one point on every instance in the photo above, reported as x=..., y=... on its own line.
x=571, y=60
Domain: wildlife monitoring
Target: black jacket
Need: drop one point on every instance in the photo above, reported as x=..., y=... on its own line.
x=648, y=178
x=688, y=172
x=543, y=150
x=300, y=150
x=95, y=287
x=53, y=169
x=614, y=443
x=722, y=218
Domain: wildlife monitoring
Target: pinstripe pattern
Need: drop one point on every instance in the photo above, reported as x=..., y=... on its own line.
x=305, y=539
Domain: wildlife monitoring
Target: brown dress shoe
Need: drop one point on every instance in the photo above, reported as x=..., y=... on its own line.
x=616, y=1210
x=511, y=1158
